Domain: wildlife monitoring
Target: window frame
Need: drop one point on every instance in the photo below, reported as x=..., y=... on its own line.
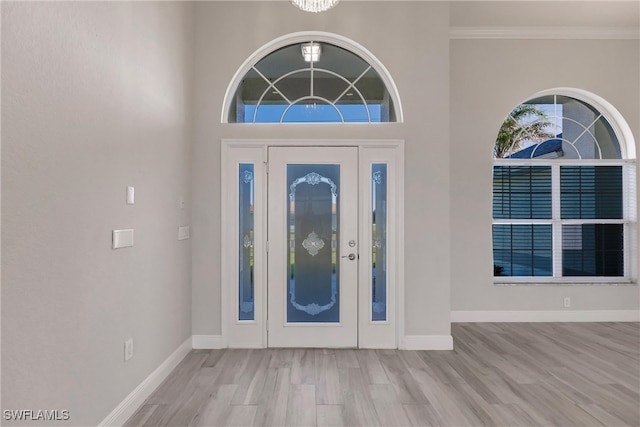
x=557, y=222
x=316, y=36
x=627, y=160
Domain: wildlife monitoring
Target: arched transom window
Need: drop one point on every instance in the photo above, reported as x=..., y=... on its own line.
x=312, y=81
x=564, y=192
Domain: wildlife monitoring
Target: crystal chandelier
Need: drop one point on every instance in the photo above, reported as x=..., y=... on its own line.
x=315, y=5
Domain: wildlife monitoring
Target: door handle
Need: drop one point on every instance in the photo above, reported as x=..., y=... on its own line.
x=351, y=256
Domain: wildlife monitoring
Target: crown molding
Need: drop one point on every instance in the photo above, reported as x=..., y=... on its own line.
x=545, y=33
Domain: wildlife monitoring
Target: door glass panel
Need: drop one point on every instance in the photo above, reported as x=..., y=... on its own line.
x=245, y=255
x=313, y=224
x=379, y=241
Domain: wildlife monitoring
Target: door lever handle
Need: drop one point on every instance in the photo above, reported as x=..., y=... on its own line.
x=351, y=256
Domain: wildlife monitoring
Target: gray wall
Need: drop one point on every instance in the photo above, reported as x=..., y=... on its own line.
x=488, y=79
x=95, y=97
x=98, y=96
x=411, y=39
x=554, y=13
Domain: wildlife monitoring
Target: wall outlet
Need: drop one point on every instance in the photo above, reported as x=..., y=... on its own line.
x=567, y=302
x=128, y=349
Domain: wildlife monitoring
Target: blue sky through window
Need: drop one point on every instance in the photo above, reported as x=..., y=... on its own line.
x=312, y=113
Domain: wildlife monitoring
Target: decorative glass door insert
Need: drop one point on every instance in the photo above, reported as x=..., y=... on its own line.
x=246, y=245
x=379, y=242
x=313, y=234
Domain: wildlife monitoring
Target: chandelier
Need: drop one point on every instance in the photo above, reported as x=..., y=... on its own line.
x=315, y=5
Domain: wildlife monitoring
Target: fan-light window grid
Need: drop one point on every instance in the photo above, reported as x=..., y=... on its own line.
x=292, y=85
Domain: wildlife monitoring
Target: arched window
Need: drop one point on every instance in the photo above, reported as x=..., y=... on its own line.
x=312, y=78
x=564, y=191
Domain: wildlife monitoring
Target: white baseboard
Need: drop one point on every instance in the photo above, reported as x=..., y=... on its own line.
x=546, y=316
x=427, y=342
x=208, y=342
x=134, y=400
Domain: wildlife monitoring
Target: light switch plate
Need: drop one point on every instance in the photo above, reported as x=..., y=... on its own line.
x=128, y=349
x=122, y=238
x=131, y=195
x=183, y=232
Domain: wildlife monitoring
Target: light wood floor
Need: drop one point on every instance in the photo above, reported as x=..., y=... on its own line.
x=518, y=374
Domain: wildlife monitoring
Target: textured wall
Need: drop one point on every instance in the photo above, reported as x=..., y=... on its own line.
x=95, y=97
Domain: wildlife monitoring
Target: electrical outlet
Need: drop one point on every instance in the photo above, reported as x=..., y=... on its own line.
x=567, y=302
x=128, y=349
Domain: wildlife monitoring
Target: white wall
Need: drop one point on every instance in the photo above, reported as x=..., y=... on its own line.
x=95, y=97
x=411, y=40
x=488, y=79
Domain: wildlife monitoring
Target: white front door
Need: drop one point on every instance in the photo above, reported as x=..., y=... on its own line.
x=313, y=247
x=292, y=216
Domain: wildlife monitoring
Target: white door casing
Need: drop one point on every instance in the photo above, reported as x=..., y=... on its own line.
x=363, y=331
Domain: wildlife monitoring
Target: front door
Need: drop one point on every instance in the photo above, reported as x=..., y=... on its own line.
x=313, y=247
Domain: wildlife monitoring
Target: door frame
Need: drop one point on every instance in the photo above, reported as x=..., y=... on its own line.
x=253, y=334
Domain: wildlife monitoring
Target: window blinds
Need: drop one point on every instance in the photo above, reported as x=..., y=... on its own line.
x=577, y=220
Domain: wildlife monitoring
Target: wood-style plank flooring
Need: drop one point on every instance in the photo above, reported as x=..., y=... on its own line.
x=499, y=374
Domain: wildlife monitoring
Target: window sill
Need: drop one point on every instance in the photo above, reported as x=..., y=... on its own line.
x=551, y=282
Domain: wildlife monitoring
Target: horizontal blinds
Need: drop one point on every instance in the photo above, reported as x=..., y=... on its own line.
x=630, y=192
x=522, y=250
x=591, y=192
x=594, y=201
x=588, y=209
x=521, y=192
